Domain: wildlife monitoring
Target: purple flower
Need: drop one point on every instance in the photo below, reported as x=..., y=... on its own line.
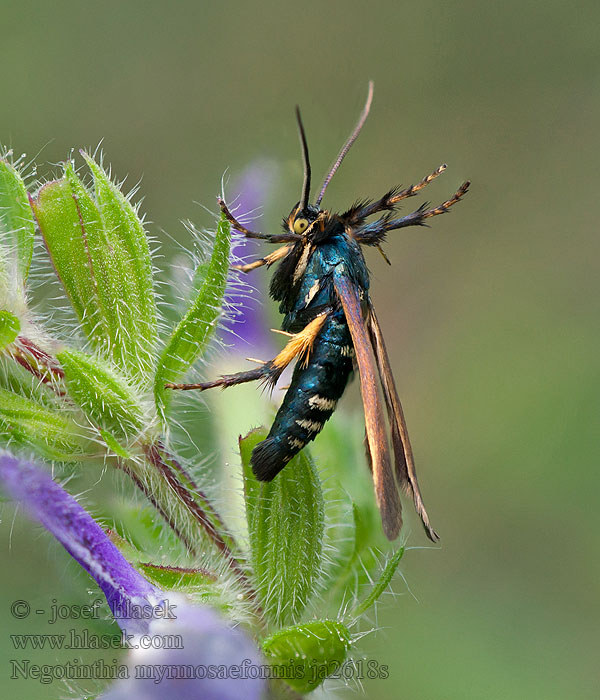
x=248, y=197
x=210, y=660
x=249, y=194
x=130, y=596
x=213, y=662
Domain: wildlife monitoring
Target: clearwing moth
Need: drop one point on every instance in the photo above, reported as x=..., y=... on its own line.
x=322, y=286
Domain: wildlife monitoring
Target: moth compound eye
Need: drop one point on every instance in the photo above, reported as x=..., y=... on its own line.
x=300, y=225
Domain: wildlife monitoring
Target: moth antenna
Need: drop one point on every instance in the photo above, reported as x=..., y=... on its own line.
x=346, y=147
x=306, y=161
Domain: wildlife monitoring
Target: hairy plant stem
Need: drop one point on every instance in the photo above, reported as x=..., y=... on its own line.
x=38, y=362
x=189, y=495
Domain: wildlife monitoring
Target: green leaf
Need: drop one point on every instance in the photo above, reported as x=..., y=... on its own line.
x=191, y=336
x=16, y=222
x=9, y=328
x=383, y=582
x=51, y=434
x=104, y=396
x=131, y=267
x=114, y=445
x=307, y=654
x=138, y=528
x=95, y=247
x=167, y=577
x=285, y=525
x=130, y=552
x=352, y=562
x=176, y=577
x=66, y=236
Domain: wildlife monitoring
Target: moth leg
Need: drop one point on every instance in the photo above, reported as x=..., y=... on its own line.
x=299, y=346
x=268, y=260
x=389, y=200
x=413, y=189
x=272, y=238
x=374, y=233
x=224, y=381
x=456, y=197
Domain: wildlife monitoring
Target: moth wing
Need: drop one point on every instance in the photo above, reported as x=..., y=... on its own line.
x=378, y=453
x=405, y=466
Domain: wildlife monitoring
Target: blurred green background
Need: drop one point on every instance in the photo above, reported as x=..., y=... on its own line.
x=491, y=315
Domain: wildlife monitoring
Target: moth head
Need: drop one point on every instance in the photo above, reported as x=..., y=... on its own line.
x=300, y=219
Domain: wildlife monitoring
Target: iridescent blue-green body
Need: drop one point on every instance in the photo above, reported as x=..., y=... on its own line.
x=304, y=286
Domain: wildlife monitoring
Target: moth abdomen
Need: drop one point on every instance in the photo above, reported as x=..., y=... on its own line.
x=309, y=402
